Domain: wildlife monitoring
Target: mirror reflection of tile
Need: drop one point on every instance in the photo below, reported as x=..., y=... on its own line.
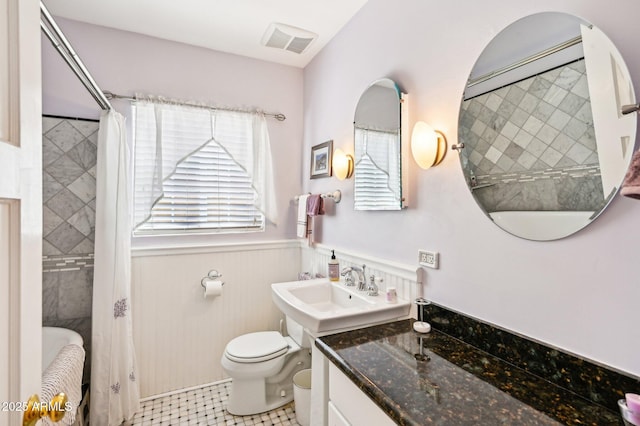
x=537, y=136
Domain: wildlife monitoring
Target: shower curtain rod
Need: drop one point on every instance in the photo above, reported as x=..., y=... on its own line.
x=551, y=50
x=62, y=45
x=110, y=95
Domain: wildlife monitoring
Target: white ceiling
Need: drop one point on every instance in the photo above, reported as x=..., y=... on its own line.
x=233, y=26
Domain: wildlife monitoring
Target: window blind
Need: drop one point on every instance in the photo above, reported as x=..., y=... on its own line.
x=377, y=174
x=191, y=171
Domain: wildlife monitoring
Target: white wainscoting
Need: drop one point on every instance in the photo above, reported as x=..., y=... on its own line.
x=402, y=277
x=179, y=335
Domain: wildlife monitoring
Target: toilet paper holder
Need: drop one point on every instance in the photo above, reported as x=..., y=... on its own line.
x=212, y=275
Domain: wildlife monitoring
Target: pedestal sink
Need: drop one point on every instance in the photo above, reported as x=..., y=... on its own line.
x=323, y=306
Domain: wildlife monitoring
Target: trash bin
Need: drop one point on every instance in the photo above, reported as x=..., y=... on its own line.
x=302, y=396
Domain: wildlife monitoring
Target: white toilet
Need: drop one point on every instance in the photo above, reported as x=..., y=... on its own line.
x=261, y=366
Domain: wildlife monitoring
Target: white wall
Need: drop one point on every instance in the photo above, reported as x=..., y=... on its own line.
x=127, y=63
x=581, y=293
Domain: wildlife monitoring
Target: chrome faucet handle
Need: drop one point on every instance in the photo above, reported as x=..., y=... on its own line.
x=372, y=289
x=347, y=273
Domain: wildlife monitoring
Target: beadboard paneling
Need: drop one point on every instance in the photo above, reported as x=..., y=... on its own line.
x=402, y=277
x=179, y=335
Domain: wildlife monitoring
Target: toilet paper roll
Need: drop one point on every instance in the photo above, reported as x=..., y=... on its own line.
x=212, y=288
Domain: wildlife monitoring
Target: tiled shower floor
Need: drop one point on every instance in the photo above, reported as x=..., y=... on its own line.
x=204, y=406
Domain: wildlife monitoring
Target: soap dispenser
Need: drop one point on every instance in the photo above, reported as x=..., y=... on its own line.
x=334, y=267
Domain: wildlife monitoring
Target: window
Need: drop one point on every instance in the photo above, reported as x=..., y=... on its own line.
x=200, y=170
x=377, y=179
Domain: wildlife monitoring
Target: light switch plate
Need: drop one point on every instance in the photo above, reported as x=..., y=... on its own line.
x=428, y=258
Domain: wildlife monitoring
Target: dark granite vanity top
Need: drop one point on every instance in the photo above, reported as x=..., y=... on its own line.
x=455, y=383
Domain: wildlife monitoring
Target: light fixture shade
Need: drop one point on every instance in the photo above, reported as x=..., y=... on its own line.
x=428, y=145
x=342, y=164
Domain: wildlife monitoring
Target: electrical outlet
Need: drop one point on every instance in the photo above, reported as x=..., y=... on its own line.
x=428, y=258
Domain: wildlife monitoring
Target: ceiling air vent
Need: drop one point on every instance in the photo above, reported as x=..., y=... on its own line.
x=286, y=37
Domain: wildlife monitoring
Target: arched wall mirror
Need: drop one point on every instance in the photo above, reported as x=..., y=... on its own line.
x=545, y=143
x=378, y=182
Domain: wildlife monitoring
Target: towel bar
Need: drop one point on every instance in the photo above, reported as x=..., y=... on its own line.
x=335, y=195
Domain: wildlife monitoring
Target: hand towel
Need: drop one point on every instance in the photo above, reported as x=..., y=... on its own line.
x=301, y=223
x=64, y=375
x=631, y=184
x=315, y=205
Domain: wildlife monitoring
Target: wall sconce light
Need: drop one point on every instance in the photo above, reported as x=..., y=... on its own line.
x=342, y=164
x=428, y=145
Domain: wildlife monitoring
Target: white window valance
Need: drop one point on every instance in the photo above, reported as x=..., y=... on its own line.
x=199, y=169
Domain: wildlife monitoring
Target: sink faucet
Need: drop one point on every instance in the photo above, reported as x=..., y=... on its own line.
x=349, y=280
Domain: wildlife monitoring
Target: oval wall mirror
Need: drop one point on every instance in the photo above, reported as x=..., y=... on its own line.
x=377, y=139
x=545, y=143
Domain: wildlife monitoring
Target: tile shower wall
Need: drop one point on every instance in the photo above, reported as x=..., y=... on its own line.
x=69, y=188
x=535, y=136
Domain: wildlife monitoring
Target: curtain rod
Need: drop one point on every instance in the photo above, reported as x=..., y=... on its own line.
x=111, y=95
x=374, y=129
x=64, y=48
x=551, y=50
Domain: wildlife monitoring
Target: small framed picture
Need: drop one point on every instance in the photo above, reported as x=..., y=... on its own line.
x=321, y=160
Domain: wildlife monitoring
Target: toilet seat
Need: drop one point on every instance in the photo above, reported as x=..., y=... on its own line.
x=256, y=347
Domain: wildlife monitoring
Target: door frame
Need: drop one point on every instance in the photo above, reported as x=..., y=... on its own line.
x=21, y=191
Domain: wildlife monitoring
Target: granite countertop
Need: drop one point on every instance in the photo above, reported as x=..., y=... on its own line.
x=452, y=382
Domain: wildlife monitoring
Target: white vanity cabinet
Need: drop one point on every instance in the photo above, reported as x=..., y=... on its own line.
x=348, y=405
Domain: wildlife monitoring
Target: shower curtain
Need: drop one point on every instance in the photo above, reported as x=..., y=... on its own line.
x=115, y=394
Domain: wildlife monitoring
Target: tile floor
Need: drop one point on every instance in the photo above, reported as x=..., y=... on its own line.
x=203, y=407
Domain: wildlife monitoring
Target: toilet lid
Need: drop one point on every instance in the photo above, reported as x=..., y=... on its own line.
x=257, y=347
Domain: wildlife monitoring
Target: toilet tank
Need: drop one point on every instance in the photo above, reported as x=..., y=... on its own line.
x=296, y=331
